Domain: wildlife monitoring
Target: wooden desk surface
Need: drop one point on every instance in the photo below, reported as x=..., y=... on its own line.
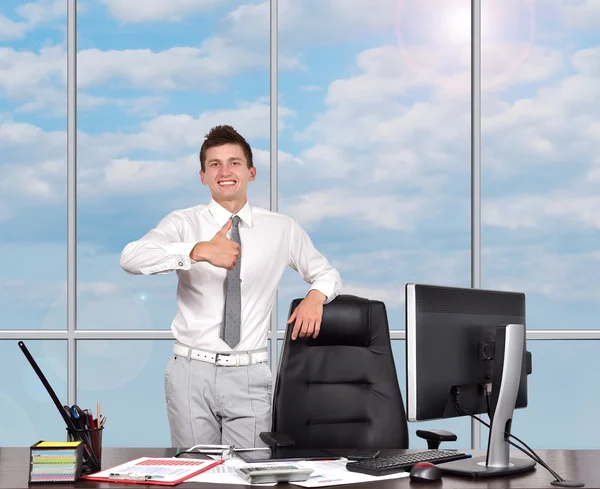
x=583, y=465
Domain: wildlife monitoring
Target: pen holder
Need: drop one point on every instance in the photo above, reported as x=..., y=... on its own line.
x=91, y=439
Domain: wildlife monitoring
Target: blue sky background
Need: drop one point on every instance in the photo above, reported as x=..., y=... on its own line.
x=374, y=162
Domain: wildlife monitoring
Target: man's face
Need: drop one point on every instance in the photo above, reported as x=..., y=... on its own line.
x=227, y=173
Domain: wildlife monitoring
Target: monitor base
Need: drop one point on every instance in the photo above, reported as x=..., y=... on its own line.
x=475, y=467
x=566, y=483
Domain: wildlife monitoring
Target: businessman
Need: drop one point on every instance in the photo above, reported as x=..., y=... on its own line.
x=229, y=257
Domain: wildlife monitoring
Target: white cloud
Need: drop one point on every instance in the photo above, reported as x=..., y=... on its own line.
x=585, y=61
x=176, y=68
x=26, y=181
x=391, y=294
x=327, y=160
x=262, y=158
x=392, y=212
x=543, y=211
x=366, y=129
x=100, y=289
x=554, y=126
x=41, y=11
x=581, y=13
x=537, y=270
x=312, y=21
x=127, y=176
x=38, y=79
x=174, y=133
x=34, y=165
x=10, y=29
x=33, y=14
x=135, y=11
x=387, y=72
x=364, y=113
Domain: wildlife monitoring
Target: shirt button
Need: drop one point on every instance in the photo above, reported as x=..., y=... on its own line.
x=180, y=263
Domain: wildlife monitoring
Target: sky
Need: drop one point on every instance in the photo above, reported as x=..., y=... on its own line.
x=374, y=155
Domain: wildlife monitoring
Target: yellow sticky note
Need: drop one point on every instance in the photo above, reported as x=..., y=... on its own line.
x=68, y=444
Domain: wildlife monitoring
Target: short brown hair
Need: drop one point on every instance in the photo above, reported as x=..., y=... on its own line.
x=220, y=135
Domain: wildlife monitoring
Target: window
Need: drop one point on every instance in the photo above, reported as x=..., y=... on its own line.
x=541, y=168
x=33, y=142
x=146, y=102
x=375, y=161
x=371, y=117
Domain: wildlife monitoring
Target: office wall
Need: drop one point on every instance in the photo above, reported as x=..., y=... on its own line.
x=374, y=147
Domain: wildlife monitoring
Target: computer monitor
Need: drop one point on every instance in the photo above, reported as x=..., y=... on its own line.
x=460, y=344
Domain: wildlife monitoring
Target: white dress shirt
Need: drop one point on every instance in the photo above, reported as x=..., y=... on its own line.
x=270, y=242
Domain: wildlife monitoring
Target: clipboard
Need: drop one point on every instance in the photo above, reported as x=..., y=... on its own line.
x=152, y=470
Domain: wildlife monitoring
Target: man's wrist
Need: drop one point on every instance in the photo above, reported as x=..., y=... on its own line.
x=316, y=295
x=198, y=252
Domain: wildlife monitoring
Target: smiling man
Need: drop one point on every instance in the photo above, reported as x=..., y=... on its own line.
x=229, y=257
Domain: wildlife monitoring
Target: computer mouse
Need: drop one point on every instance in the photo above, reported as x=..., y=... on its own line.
x=425, y=472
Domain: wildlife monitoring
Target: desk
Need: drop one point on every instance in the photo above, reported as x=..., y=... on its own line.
x=583, y=465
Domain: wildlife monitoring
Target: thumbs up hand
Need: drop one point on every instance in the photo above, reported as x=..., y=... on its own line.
x=220, y=251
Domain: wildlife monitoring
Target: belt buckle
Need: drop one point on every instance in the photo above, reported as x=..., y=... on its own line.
x=237, y=358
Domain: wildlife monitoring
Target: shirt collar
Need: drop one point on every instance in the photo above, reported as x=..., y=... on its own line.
x=221, y=215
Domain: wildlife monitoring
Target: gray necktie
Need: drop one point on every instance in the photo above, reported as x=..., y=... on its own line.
x=233, y=301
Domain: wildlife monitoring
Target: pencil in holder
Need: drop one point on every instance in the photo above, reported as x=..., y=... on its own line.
x=91, y=439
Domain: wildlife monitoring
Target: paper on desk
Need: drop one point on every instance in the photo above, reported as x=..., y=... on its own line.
x=164, y=471
x=226, y=474
x=334, y=473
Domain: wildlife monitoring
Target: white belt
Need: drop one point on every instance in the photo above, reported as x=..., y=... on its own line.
x=222, y=359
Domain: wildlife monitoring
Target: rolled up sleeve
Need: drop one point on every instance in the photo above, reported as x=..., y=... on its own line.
x=312, y=266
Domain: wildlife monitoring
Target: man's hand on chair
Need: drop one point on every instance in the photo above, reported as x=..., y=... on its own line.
x=308, y=315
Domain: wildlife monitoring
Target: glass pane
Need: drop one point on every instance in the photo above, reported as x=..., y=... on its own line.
x=28, y=412
x=146, y=102
x=540, y=159
x=127, y=378
x=461, y=427
x=562, y=402
x=33, y=145
x=375, y=163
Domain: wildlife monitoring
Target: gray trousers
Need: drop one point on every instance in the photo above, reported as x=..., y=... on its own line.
x=217, y=405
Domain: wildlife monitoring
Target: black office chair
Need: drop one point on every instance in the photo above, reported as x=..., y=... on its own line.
x=340, y=390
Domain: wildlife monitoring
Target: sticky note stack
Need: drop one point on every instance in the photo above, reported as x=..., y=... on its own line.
x=55, y=461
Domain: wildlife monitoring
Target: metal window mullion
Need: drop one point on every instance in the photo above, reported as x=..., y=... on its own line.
x=163, y=334
x=274, y=162
x=475, y=169
x=71, y=201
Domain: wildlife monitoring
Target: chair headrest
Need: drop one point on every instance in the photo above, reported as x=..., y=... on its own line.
x=346, y=321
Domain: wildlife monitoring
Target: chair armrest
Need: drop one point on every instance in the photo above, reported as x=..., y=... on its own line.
x=435, y=437
x=275, y=439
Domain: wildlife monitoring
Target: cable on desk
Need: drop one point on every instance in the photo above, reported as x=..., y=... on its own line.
x=527, y=450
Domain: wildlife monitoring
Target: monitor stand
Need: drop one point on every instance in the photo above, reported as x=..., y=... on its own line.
x=497, y=461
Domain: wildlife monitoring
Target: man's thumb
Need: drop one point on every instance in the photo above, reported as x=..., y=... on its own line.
x=224, y=230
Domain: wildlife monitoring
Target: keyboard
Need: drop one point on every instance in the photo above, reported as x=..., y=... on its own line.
x=399, y=463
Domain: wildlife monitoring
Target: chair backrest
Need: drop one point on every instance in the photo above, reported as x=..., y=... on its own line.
x=340, y=390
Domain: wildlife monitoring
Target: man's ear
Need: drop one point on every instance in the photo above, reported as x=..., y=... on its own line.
x=202, y=177
x=252, y=173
